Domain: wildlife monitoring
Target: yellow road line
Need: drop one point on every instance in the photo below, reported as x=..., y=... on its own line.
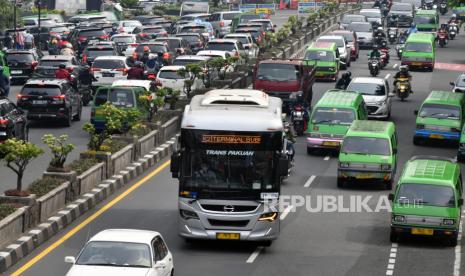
x=83, y=224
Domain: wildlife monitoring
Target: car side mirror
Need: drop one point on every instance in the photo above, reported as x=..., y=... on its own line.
x=283, y=166
x=452, y=83
x=70, y=260
x=175, y=164
x=415, y=112
x=391, y=196
x=460, y=202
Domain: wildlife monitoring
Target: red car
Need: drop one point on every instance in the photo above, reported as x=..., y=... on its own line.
x=351, y=38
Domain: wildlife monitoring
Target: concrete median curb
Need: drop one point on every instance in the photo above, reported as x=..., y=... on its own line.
x=44, y=231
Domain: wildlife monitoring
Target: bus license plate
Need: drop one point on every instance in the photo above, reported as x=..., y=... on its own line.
x=228, y=236
x=422, y=231
x=436, y=136
x=331, y=143
x=364, y=176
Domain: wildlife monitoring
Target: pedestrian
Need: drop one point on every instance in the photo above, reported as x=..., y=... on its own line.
x=4, y=83
x=28, y=40
x=8, y=41
x=19, y=40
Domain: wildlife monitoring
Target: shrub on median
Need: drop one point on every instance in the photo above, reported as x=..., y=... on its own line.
x=6, y=210
x=83, y=164
x=42, y=186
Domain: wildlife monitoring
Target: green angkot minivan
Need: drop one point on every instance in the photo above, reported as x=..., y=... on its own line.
x=440, y=117
x=368, y=153
x=331, y=118
x=419, y=51
x=324, y=57
x=428, y=199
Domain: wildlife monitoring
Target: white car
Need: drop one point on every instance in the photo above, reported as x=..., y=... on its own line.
x=375, y=92
x=342, y=46
x=168, y=77
x=123, y=252
x=108, y=69
x=217, y=54
x=233, y=46
x=247, y=41
x=127, y=26
x=124, y=42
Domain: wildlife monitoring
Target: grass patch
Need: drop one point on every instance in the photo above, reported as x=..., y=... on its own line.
x=83, y=164
x=6, y=210
x=42, y=186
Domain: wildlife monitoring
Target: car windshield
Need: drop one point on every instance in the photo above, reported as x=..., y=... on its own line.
x=196, y=29
x=123, y=39
x=52, y=63
x=348, y=19
x=278, y=72
x=338, y=116
x=172, y=43
x=41, y=90
x=366, y=146
x=92, y=33
x=418, y=47
x=169, y=74
x=339, y=41
x=183, y=62
x=19, y=58
x=424, y=19
x=440, y=111
x=426, y=194
x=108, y=64
x=191, y=39
x=219, y=46
x=241, y=39
x=131, y=24
x=100, y=52
x=247, y=17
x=372, y=89
x=319, y=55
x=348, y=36
x=153, y=48
x=400, y=7
x=370, y=14
x=361, y=27
x=110, y=253
x=61, y=29
x=213, y=171
x=229, y=16
x=153, y=30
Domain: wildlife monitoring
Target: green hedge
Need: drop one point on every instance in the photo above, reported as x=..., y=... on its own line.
x=42, y=186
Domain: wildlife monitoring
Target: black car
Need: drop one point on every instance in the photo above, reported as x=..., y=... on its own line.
x=49, y=64
x=148, y=19
x=146, y=33
x=46, y=99
x=196, y=41
x=177, y=45
x=91, y=52
x=80, y=38
x=22, y=63
x=13, y=121
x=401, y=15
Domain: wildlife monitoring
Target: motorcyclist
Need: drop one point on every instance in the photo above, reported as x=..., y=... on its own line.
x=62, y=73
x=453, y=19
x=444, y=31
x=384, y=46
x=289, y=137
x=300, y=103
x=137, y=71
x=67, y=50
x=151, y=63
x=402, y=73
x=145, y=56
x=375, y=54
x=412, y=29
x=86, y=77
x=344, y=81
x=377, y=4
x=4, y=83
x=380, y=32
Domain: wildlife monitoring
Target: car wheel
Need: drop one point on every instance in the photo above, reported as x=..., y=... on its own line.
x=416, y=141
x=266, y=243
x=310, y=151
x=77, y=117
x=340, y=182
x=453, y=241
x=393, y=237
x=67, y=119
x=460, y=158
x=172, y=272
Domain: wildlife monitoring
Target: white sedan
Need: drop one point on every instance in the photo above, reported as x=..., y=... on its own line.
x=168, y=77
x=108, y=69
x=123, y=252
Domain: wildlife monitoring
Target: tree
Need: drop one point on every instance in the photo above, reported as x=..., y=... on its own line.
x=191, y=72
x=222, y=65
x=17, y=154
x=456, y=3
x=150, y=103
x=129, y=4
x=171, y=96
x=7, y=15
x=59, y=148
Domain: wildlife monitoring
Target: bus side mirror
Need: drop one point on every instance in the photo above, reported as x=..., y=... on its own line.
x=283, y=166
x=175, y=164
x=391, y=196
x=460, y=201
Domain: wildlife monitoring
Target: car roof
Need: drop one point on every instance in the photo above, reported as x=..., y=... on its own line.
x=281, y=61
x=434, y=170
x=339, y=98
x=172, y=68
x=186, y=34
x=123, y=35
x=237, y=35
x=190, y=57
x=213, y=52
x=132, y=83
x=222, y=40
x=331, y=37
x=46, y=81
x=57, y=57
x=445, y=97
x=126, y=235
x=371, y=128
x=370, y=10
x=368, y=80
x=322, y=45
x=111, y=58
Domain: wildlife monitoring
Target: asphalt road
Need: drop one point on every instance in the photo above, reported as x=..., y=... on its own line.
x=310, y=243
x=76, y=135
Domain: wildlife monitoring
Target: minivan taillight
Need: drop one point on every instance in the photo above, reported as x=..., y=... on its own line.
x=124, y=70
x=4, y=122
x=59, y=97
x=221, y=23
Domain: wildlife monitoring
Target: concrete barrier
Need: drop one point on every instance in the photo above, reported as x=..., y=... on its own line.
x=121, y=159
x=88, y=179
x=53, y=201
x=147, y=142
x=12, y=226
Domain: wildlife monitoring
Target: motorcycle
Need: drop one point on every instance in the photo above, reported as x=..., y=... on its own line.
x=442, y=39
x=392, y=35
x=298, y=120
x=86, y=93
x=400, y=44
x=453, y=30
x=374, y=66
x=443, y=8
x=384, y=57
x=403, y=88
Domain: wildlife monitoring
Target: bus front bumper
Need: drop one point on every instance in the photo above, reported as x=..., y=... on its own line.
x=323, y=143
x=437, y=135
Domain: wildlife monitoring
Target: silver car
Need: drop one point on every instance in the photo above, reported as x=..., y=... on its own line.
x=221, y=22
x=375, y=92
x=364, y=32
x=247, y=42
x=342, y=46
x=459, y=84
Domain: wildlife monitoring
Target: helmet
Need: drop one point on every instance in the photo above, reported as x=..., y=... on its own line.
x=62, y=66
x=146, y=49
x=380, y=29
x=68, y=45
x=346, y=75
x=403, y=68
x=151, y=56
x=160, y=54
x=454, y=16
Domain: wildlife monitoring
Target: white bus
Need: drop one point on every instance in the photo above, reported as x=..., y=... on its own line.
x=230, y=163
x=194, y=6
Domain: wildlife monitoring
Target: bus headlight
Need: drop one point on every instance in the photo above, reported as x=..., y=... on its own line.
x=268, y=217
x=385, y=167
x=448, y=222
x=344, y=165
x=399, y=218
x=185, y=214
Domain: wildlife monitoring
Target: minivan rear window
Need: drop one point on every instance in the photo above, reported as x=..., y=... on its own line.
x=220, y=46
x=165, y=74
x=418, y=47
x=366, y=145
x=53, y=63
x=41, y=90
x=328, y=115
